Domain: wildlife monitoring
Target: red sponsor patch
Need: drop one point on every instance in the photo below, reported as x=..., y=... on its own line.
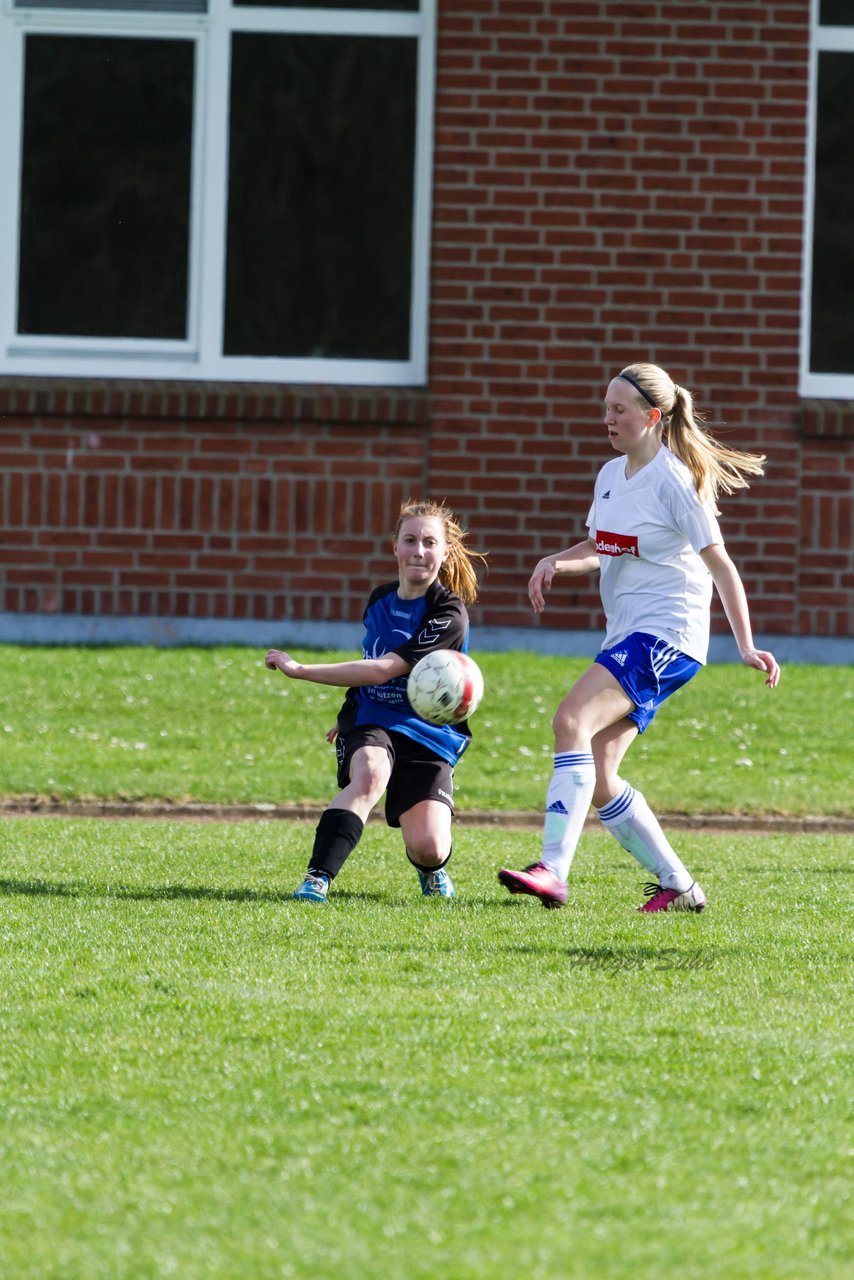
x=616, y=544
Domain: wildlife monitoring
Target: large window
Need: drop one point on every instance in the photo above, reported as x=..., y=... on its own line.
x=827, y=347
x=216, y=188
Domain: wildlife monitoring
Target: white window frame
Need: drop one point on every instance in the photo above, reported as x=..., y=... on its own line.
x=818, y=386
x=200, y=356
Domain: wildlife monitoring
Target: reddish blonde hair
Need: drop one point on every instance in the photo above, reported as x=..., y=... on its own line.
x=458, y=572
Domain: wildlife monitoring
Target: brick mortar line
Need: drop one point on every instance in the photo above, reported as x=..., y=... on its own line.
x=755, y=824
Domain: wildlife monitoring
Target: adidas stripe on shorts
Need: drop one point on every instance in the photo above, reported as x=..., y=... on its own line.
x=648, y=670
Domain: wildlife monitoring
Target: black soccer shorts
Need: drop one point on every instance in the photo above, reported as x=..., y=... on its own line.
x=417, y=773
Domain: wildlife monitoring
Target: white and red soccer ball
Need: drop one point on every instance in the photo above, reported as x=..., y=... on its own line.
x=445, y=687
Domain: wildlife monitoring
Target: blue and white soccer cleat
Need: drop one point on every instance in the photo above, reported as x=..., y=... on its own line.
x=436, y=884
x=314, y=888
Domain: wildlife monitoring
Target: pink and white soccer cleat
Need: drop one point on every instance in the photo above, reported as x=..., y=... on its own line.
x=659, y=899
x=537, y=880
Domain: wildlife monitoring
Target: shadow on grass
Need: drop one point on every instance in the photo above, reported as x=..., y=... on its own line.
x=166, y=892
x=342, y=896
x=172, y=892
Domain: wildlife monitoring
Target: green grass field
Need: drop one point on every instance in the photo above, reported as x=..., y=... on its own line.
x=213, y=725
x=201, y=1078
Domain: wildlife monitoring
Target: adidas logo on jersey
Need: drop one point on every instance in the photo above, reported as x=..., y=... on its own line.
x=606, y=494
x=620, y=657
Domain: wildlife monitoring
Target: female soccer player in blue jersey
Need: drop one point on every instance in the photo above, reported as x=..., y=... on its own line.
x=655, y=539
x=381, y=744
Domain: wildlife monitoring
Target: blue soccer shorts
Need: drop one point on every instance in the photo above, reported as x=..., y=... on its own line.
x=648, y=670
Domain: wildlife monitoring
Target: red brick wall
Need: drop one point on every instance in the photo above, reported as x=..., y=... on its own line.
x=202, y=502
x=824, y=591
x=613, y=181
x=617, y=182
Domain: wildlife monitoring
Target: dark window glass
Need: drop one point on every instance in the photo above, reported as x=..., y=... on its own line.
x=832, y=328
x=320, y=196
x=408, y=6
x=105, y=187
x=836, y=13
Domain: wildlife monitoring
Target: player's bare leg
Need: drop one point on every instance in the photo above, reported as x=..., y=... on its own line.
x=342, y=822
x=625, y=813
x=595, y=702
x=370, y=770
x=426, y=830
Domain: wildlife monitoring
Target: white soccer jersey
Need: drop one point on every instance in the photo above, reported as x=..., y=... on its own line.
x=648, y=532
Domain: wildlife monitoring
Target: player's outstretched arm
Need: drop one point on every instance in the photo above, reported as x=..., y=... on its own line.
x=346, y=675
x=731, y=591
x=581, y=558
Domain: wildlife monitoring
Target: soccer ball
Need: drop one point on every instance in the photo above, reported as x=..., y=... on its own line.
x=445, y=687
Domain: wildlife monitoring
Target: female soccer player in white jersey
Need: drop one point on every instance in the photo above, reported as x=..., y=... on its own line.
x=381, y=744
x=655, y=539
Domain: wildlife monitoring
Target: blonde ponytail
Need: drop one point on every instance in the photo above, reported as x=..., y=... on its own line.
x=714, y=467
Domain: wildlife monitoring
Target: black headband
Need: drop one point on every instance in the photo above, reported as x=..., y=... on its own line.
x=627, y=377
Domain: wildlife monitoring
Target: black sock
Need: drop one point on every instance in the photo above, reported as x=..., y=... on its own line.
x=338, y=832
x=435, y=867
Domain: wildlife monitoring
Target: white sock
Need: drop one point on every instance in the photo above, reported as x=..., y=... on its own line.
x=631, y=821
x=567, y=802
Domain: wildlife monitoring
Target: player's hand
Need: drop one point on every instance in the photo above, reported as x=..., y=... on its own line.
x=333, y=733
x=540, y=582
x=762, y=660
x=278, y=660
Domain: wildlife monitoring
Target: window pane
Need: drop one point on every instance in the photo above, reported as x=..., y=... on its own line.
x=832, y=331
x=129, y=6
x=320, y=196
x=836, y=13
x=409, y=6
x=105, y=187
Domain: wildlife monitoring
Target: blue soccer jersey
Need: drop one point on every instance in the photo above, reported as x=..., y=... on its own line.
x=410, y=628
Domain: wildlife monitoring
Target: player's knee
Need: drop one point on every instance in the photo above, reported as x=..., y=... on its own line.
x=428, y=851
x=566, y=723
x=370, y=781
